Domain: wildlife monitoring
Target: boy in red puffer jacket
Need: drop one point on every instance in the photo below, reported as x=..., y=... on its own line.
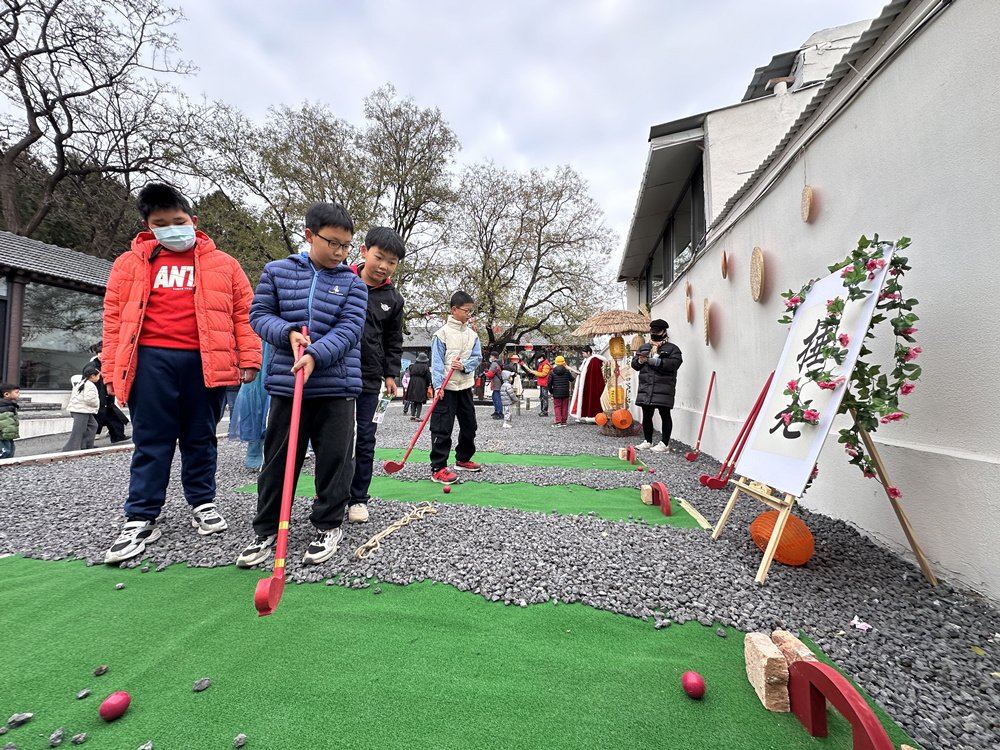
x=176, y=333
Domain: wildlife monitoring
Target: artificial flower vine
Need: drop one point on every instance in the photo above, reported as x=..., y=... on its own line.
x=872, y=395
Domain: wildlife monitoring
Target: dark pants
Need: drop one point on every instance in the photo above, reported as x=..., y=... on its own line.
x=114, y=420
x=82, y=435
x=666, y=422
x=231, y=400
x=453, y=404
x=364, y=448
x=543, y=400
x=415, y=408
x=169, y=403
x=329, y=424
x=497, y=404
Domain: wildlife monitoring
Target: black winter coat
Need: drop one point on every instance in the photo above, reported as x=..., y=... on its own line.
x=559, y=380
x=420, y=378
x=658, y=377
x=382, y=340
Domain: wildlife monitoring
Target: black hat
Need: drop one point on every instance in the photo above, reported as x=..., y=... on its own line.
x=658, y=325
x=421, y=357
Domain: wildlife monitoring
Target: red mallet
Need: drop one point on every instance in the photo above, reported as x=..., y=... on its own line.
x=693, y=684
x=114, y=705
x=447, y=489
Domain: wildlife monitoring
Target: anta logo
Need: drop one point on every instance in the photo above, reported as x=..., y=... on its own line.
x=174, y=277
x=385, y=307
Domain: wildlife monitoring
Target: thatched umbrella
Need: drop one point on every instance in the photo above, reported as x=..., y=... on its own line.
x=613, y=323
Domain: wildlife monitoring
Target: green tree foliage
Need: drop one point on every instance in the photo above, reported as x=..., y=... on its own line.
x=239, y=231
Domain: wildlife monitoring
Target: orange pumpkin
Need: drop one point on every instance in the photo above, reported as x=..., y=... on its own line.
x=622, y=419
x=601, y=418
x=796, y=545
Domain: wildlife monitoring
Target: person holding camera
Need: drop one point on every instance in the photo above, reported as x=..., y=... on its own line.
x=657, y=364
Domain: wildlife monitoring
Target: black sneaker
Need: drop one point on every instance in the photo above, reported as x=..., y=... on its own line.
x=257, y=551
x=323, y=547
x=132, y=541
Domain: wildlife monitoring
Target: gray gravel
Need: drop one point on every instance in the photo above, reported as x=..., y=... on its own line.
x=916, y=660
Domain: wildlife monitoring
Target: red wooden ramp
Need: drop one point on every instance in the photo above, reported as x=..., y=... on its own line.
x=811, y=684
x=661, y=497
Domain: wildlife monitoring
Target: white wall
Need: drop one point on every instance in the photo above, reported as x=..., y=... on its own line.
x=915, y=154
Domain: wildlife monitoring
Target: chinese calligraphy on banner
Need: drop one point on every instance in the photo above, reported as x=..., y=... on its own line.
x=782, y=455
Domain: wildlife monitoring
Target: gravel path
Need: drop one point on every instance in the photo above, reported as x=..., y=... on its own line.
x=916, y=660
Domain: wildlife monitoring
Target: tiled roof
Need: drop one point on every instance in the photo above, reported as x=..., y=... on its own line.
x=54, y=264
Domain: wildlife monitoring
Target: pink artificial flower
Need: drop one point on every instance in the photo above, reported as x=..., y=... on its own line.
x=815, y=471
x=796, y=300
x=906, y=388
x=887, y=295
x=871, y=265
x=908, y=331
x=847, y=270
x=787, y=418
x=851, y=450
x=894, y=492
x=911, y=353
x=793, y=385
x=894, y=417
x=868, y=473
x=844, y=339
x=827, y=385
x=811, y=415
x=881, y=263
x=871, y=276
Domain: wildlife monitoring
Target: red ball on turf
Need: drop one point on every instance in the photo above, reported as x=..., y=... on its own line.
x=693, y=684
x=651, y=471
x=639, y=468
x=114, y=705
x=447, y=489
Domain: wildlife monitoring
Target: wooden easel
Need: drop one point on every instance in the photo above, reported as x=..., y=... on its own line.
x=784, y=508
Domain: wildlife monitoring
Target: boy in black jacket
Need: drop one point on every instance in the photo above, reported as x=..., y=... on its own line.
x=381, y=353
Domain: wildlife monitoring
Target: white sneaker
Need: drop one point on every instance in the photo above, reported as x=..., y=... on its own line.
x=132, y=540
x=323, y=547
x=645, y=445
x=357, y=513
x=507, y=427
x=257, y=551
x=207, y=519
x=660, y=447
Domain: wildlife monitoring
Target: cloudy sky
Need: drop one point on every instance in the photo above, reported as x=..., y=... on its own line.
x=526, y=84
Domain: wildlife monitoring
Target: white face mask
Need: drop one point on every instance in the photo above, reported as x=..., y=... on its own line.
x=176, y=237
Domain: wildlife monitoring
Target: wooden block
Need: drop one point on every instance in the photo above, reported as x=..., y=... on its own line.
x=767, y=671
x=791, y=647
x=646, y=494
x=623, y=454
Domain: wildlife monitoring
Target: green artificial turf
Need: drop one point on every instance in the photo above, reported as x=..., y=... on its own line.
x=582, y=461
x=419, y=666
x=615, y=505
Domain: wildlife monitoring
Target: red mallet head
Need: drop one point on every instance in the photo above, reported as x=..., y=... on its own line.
x=114, y=705
x=693, y=684
x=447, y=489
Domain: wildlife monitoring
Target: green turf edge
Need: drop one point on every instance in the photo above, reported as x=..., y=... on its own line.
x=580, y=461
x=436, y=668
x=613, y=505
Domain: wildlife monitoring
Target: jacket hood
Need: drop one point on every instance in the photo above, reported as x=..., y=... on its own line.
x=357, y=271
x=145, y=243
x=505, y=375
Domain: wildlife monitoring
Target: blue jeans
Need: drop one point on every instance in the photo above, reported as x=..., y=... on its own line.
x=497, y=403
x=364, y=448
x=169, y=403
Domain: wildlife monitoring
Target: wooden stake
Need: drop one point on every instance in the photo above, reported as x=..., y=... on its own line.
x=883, y=477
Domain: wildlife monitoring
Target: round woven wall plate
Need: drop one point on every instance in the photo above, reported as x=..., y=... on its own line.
x=725, y=265
x=757, y=274
x=687, y=288
x=807, y=203
x=707, y=327
x=689, y=308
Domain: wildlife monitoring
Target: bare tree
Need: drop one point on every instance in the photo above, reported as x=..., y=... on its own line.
x=533, y=250
x=79, y=77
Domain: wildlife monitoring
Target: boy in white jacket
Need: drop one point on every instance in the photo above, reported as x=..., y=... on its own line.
x=84, y=403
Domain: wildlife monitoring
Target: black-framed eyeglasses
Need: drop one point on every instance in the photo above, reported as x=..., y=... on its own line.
x=467, y=311
x=334, y=245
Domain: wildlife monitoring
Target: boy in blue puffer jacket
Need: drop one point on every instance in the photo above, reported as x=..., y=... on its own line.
x=314, y=289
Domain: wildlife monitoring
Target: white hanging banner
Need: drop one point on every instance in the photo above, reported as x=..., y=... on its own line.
x=782, y=455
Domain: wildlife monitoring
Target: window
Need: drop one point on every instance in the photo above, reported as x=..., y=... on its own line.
x=682, y=234
x=60, y=325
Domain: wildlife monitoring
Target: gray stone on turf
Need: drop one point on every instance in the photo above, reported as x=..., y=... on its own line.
x=119, y=586
x=79, y=739
x=82, y=694
x=56, y=738
x=240, y=740
x=18, y=719
x=100, y=670
x=147, y=746
x=202, y=684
